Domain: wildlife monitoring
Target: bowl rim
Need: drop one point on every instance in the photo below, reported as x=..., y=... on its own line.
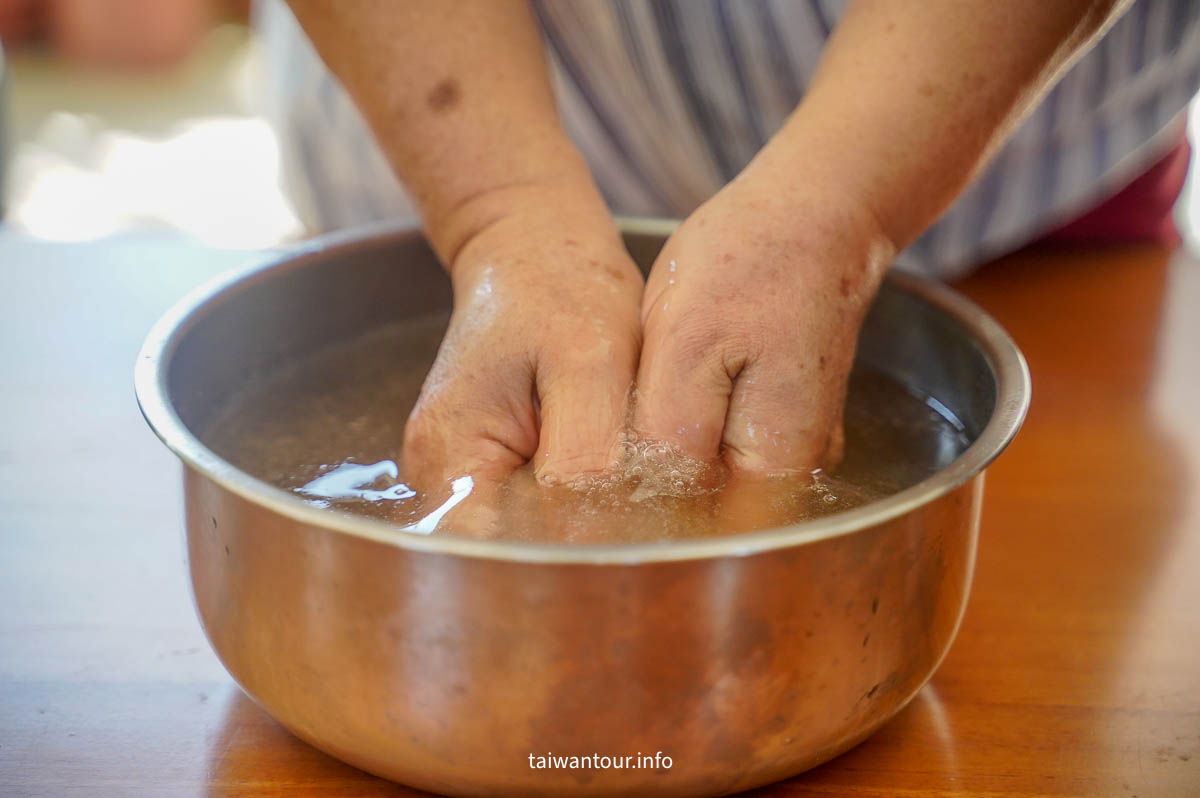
x=154, y=360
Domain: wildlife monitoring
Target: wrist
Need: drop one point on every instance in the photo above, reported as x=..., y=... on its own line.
x=860, y=180
x=544, y=226
x=821, y=215
x=457, y=216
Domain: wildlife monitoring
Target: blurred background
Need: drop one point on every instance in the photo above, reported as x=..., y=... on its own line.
x=153, y=115
x=135, y=115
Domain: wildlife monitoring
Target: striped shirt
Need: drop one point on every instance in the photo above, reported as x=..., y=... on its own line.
x=669, y=99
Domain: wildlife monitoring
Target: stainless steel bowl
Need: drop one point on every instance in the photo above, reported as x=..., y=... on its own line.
x=444, y=663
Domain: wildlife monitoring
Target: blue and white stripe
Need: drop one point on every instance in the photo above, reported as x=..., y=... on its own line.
x=669, y=99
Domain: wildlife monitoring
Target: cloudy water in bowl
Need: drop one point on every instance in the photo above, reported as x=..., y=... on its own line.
x=329, y=427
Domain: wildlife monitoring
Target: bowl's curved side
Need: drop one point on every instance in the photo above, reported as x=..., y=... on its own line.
x=206, y=345
x=447, y=673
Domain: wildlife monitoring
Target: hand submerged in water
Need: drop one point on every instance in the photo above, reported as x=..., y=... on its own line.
x=537, y=363
x=750, y=319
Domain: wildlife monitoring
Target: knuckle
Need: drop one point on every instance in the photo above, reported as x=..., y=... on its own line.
x=420, y=432
x=698, y=338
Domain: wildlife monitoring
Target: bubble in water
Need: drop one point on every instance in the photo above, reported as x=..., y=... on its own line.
x=650, y=471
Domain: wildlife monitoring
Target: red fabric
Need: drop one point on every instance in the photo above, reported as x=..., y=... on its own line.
x=1140, y=212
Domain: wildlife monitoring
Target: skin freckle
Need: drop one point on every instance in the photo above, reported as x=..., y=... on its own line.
x=844, y=287
x=727, y=258
x=444, y=96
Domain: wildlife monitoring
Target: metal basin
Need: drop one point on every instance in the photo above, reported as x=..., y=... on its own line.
x=444, y=663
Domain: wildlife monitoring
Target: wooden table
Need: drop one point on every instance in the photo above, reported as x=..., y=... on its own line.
x=1077, y=670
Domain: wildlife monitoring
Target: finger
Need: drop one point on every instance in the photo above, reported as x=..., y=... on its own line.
x=473, y=508
x=444, y=448
x=478, y=425
x=458, y=468
x=683, y=389
x=584, y=400
x=785, y=413
x=542, y=513
x=751, y=500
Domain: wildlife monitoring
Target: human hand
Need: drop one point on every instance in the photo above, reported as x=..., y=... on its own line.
x=540, y=354
x=750, y=320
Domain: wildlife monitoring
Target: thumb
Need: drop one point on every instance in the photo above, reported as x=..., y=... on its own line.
x=584, y=401
x=785, y=414
x=683, y=391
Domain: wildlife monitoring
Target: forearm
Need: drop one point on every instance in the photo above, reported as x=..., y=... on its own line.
x=910, y=99
x=458, y=96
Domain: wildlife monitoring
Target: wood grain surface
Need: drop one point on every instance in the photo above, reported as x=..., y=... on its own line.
x=1076, y=672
